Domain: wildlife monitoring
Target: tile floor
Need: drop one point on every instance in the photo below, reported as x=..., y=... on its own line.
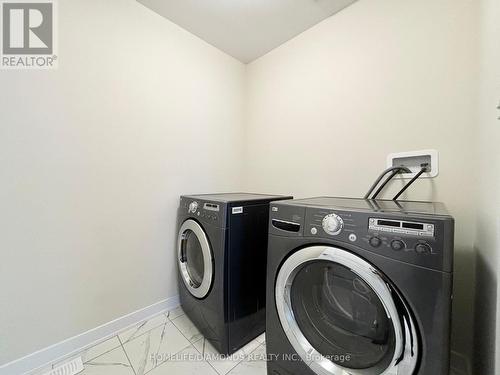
x=168, y=344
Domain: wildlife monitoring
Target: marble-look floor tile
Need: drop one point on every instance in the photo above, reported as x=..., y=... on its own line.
x=252, y=345
x=143, y=327
x=101, y=348
x=262, y=338
x=187, y=362
x=188, y=329
x=175, y=313
x=223, y=364
x=255, y=364
x=114, y=362
x=154, y=347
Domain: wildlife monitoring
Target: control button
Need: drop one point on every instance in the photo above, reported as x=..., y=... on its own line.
x=375, y=241
x=314, y=231
x=332, y=224
x=193, y=206
x=423, y=248
x=353, y=237
x=397, y=245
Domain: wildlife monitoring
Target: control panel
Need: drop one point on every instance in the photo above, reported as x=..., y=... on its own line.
x=407, y=236
x=415, y=239
x=205, y=211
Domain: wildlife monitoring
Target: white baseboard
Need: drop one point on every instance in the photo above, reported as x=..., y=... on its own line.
x=84, y=340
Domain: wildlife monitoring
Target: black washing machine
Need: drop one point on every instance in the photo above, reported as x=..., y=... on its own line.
x=222, y=252
x=359, y=287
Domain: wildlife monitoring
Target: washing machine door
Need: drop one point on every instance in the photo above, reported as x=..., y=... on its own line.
x=195, y=258
x=342, y=316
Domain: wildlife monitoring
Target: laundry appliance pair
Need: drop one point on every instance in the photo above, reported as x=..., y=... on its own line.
x=354, y=286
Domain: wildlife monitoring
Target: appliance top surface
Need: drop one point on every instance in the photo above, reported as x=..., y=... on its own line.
x=235, y=197
x=370, y=205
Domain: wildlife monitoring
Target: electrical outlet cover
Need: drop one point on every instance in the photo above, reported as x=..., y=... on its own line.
x=413, y=160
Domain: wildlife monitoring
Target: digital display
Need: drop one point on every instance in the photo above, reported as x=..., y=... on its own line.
x=389, y=223
x=211, y=207
x=401, y=227
x=413, y=226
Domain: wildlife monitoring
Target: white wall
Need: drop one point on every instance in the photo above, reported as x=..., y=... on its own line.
x=326, y=108
x=487, y=240
x=93, y=157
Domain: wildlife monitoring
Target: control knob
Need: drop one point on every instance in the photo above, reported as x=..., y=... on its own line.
x=423, y=248
x=375, y=242
x=332, y=224
x=193, y=206
x=397, y=245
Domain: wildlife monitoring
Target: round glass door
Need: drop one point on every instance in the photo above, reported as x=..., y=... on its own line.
x=195, y=258
x=340, y=315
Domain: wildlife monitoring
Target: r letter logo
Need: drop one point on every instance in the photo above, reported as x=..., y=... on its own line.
x=28, y=34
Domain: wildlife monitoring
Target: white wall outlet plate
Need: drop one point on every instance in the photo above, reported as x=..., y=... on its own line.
x=413, y=161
